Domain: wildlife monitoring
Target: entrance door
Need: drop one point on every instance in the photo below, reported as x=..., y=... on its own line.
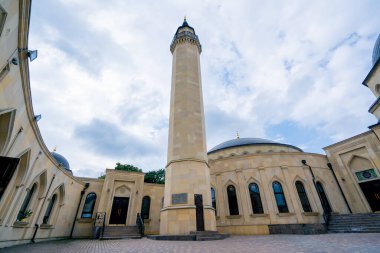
x=119, y=210
x=199, y=212
x=8, y=166
x=371, y=191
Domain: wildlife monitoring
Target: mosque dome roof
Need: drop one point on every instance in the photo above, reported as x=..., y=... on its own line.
x=61, y=160
x=248, y=142
x=376, y=51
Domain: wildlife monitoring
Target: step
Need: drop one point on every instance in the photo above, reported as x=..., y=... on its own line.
x=120, y=237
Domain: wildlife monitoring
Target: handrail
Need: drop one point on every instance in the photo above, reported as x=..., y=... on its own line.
x=140, y=224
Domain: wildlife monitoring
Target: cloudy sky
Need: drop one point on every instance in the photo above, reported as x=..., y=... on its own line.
x=289, y=71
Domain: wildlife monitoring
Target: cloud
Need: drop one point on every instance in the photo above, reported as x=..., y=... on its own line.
x=268, y=69
x=108, y=139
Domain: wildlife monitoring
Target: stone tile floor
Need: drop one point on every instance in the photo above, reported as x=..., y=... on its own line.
x=271, y=243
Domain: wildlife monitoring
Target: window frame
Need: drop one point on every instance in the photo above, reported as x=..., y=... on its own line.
x=27, y=200
x=49, y=209
x=280, y=196
x=233, y=208
x=86, y=214
x=303, y=198
x=148, y=208
x=213, y=198
x=256, y=209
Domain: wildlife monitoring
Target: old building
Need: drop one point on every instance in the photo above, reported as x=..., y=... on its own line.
x=241, y=186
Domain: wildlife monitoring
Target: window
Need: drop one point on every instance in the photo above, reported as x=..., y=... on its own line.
x=325, y=203
x=254, y=193
x=232, y=200
x=49, y=209
x=3, y=16
x=89, y=205
x=213, y=199
x=24, y=208
x=145, y=207
x=303, y=197
x=280, y=197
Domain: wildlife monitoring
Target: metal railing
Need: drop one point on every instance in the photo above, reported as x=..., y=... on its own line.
x=140, y=224
x=100, y=223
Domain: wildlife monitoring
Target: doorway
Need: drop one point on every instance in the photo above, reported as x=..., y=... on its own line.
x=119, y=210
x=371, y=191
x=8, y=166
x=198, y=200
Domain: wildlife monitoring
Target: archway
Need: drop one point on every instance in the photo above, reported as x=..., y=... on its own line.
x=120, y=206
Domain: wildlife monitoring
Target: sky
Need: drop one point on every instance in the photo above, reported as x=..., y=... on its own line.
x=288, y=71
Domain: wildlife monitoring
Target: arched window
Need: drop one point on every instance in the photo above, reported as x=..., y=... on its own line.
x=49, y=209
x=280, y=197
x=213, y=198
x=24, y=208
x=325, y=203
x=232, y=200
x=254, y=193
x=145, y=207
x=89, y=205
x=303, y=197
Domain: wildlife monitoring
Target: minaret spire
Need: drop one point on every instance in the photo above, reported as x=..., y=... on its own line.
x=187, y=199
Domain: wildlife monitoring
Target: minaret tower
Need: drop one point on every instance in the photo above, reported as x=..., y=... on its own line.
x=187, y=200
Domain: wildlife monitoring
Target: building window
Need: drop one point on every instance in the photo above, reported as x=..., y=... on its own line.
x=145, y=207
x=49, y=209
x=232, y=200
x=303, y=197
x=213, y=199
x=280, y=197
x=254, y=193
x=23, y=213
x=324, y=201
x=3, y=16
x=89, y=205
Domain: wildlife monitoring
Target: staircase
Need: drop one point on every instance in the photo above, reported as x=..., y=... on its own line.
x=354, y=223
x=120, y=232
x=208, y=235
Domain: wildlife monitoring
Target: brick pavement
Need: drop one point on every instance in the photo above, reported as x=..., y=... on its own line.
x=335, y=243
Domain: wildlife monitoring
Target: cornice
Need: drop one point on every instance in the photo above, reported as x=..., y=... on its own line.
x=185, y=37
x=23, y=38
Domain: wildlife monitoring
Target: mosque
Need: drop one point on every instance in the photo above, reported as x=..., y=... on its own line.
x=242, y=186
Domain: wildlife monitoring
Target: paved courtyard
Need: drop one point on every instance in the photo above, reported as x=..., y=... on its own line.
x=272, y=243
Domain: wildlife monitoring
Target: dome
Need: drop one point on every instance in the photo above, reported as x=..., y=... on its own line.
x=376, y=51
x=248, y=142
x=61, y=160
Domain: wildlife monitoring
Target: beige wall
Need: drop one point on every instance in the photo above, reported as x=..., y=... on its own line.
x=106, y=188
x=156, y=193
x=263, y=169
x=355, y=154
x=37, y=166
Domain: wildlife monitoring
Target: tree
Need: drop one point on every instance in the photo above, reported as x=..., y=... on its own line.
x=127, y=167
x=155, y=176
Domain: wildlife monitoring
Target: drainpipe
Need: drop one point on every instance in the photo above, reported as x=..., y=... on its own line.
x=80, y=201
x=340, y=188
x=39, y=214
x=315, y=185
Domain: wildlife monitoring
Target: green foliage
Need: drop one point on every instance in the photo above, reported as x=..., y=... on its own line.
x=24, y=214
x=127, y=167
x=155, y=176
